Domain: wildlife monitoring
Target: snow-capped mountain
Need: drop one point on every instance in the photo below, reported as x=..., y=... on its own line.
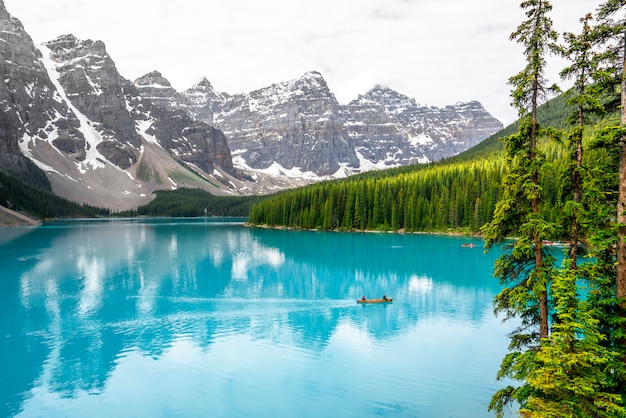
x=389, y=128
x=109, y=142
x=67, y=109
x=298, y=126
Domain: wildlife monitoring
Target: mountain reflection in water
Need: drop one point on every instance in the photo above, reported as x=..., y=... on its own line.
x=191, y=317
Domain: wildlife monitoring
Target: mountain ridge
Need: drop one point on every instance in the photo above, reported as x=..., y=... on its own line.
x=106, y=141
x=379, y=129
x=69, y=111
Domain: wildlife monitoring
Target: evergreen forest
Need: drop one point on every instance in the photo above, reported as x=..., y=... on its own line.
x=30, y=192
x=194, y=202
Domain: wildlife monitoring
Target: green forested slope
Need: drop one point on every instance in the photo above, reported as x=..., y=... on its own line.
x=454, y=195
x=458, y=193
x=30, y=192
x=194, y=202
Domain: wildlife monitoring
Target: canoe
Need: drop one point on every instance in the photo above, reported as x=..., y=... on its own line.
x=388, y=300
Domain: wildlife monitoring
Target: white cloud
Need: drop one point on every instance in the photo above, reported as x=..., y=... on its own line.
x=436, y=51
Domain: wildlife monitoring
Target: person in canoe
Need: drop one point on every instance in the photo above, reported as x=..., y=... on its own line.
x=363, y=297
x=385, y=297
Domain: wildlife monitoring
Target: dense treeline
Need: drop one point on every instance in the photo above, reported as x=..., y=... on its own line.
x=194, y=202
x=444, y=196
x=32, y=194
x=459, y=193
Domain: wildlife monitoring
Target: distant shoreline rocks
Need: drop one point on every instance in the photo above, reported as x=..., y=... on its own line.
x=9, y=218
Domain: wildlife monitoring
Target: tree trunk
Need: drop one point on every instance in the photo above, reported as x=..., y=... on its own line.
x=620, y=292
x=534, y=204
x=577, y=180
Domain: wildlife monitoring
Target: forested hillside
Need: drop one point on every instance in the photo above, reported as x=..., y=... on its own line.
x=30, y=192
x=459, y=193
x=194, y=202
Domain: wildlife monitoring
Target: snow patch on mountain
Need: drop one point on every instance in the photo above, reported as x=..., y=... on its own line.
x=421, y=139
x=93, y=158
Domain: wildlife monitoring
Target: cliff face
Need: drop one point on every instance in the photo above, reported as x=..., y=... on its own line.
x=392, y=128
x=31, y=106
x=299, y=125
x=296, y=124
x=67, y=109
x=156, y=88
x=91, y=83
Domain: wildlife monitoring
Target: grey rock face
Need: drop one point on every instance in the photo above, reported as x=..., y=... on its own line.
x=32, y=108
x=83, y=87
x=93, y=85
x=66, y=107
x=299, y=124
x=391, y=127
x=192, y=141
x=202, y=101
x=156, y=88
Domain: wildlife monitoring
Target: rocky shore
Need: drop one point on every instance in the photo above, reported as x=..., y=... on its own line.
x=10, y=217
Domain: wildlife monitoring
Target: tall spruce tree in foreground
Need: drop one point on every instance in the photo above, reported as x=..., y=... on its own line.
x=584, y=99
x=525, y=271
x=576, y=368
x=610, y=36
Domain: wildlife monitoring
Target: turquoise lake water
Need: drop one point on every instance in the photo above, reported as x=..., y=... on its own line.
x=197, y=318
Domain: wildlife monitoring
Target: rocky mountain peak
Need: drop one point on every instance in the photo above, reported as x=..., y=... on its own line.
x=204, y=83
x=379, y=91
x=313, y=80
x=293, y=126
x=153, y=86
x=299, y=125
x=204, y=88
x=68, y=47
x=152, y=78
x=201, y=101
x=467, y=105
x=68, y=41
x=309, y=90
x=4, y=14
x=25, y=92
x=392, y=100
x=33, y=107
x=17, y=48
x=67, y=109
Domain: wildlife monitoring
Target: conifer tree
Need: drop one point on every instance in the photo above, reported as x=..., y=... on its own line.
x=574, y=363
x=585, y=100
x=576, y=371
x=610, y=37
x=525, y=272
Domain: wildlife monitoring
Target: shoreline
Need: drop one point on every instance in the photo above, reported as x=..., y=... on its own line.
x=10, y=218
x=371, y=231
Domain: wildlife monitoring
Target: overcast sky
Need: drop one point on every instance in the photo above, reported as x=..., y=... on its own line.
x=438, y=52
